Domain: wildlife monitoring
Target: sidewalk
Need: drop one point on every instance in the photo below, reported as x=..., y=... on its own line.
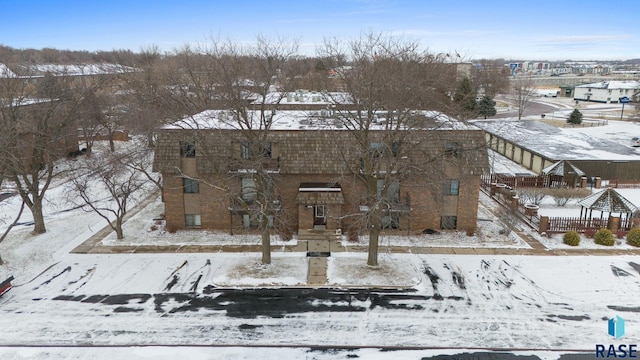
x=93, y=245
x=317, y=252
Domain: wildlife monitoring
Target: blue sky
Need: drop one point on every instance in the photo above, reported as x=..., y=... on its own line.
x=539, y=29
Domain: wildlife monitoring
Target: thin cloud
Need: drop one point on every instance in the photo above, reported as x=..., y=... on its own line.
x=418, y=32
x=585, y=38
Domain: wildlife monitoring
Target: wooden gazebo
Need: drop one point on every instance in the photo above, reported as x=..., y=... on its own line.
x=562, y=174
x=607, y=201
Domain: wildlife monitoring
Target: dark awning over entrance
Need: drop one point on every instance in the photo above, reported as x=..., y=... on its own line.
x=319, y=193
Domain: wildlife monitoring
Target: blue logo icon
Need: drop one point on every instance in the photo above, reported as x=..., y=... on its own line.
x=616, y=327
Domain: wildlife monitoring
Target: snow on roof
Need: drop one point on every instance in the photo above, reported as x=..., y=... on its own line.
x=562, y=168
x=612, y=85
x=505, y=166
x=80, y=69
x=306, y=97
x=562, y=143
x=608, y=200
x=303, y=120
x=23, y=101
x=5, y=72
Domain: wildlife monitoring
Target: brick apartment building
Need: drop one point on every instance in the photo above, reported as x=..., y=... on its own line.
x=207, y=184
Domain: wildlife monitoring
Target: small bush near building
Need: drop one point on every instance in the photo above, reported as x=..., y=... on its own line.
x=571, y=238
x=633, y=237
x=604, y=237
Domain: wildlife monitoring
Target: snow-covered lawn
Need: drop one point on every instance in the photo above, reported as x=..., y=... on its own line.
x=449, y=301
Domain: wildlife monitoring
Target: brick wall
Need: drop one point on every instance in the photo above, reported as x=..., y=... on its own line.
x=314, y=157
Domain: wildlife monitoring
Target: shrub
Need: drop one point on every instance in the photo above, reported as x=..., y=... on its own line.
x=561, y=196
x=604, y=237
x=589, y=233
x=531, y=195
x=571, y=238
x=633, y=237
x=575, y=117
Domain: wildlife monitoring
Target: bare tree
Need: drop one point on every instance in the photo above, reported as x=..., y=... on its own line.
x=153, y=95
x=490, y=77
x=38, y=129
x=106, y=184
x=140, y=159
x=389, y=83
x=523, y=90
x=94, y=88
x=531, y=195
x=245, y=82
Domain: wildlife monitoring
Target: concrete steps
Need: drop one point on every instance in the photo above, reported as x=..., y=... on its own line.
x=319, y=234
x=319, y=244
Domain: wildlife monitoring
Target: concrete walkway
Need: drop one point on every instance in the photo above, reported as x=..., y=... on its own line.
x=93, y=245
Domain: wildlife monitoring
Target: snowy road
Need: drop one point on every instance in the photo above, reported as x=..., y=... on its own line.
x=458, y=301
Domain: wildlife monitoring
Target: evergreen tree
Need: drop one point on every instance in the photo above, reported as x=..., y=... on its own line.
x=465, y=97
x=575, y=117
x=487, y=107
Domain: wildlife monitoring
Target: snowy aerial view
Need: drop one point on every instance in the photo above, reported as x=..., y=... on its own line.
x=357, y=179
x=79, y=292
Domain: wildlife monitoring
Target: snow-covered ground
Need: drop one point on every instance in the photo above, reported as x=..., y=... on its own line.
x=215, y=305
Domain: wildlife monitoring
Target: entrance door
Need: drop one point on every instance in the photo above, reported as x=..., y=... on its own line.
x=319, y=215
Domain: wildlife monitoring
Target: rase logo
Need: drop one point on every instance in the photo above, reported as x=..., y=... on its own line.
x=615, y=328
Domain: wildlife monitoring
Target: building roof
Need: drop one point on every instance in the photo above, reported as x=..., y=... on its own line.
x=300, y=97
x=558, y=143
x=612, y=85
x=76, y=69
x=608, y=200
x=562, y=168
x=307, y=120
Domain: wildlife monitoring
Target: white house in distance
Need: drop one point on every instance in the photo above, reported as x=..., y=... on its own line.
x=607, y=91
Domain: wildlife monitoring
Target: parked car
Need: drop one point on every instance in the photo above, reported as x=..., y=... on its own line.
x=635, y=142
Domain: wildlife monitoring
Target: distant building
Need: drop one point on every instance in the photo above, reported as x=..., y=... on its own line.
x=606, y=91
x=536, y=145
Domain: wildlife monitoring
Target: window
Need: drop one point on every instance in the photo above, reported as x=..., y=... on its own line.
x=391, y=221
x=266, y=150
x=245, y=151
x=448, y=222
x=249, y=191
x=376, y=149
x=253, y=221
x=452, y=149
x=192, y=220
x=451, y=187
x=190, y=186
x=187, y=149
x=395, y=149
x=247, y=154
x=392, y=191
